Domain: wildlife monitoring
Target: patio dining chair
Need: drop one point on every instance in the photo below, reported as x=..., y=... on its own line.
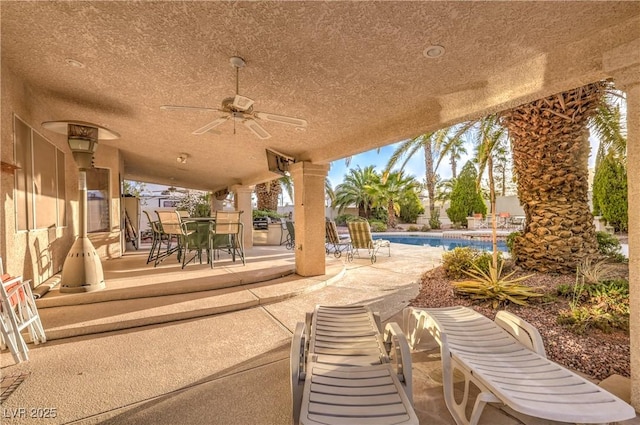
x=360, y=234
x=503, y=220
x=482, y=222
x=291, y=238
x=334, y=241
x=227, y=234
x=156, y=238
x=172, y=226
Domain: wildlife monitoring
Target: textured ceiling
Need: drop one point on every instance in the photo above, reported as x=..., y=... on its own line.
x=354, y=70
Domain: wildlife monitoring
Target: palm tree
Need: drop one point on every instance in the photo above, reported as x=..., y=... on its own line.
x=501, y=154
x=389, y=190
x=550, y=155
x=352, y=191
x=454, y=148
x=491, y=138
x=429, y=143
x=608, y=125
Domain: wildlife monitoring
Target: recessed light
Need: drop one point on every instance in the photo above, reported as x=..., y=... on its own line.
x=301, y=129
x=433, y=52
x=74, y=63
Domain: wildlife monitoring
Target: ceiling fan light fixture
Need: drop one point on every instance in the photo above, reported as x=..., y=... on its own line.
x=242, y=103
x=182, y=158
x=237, y=62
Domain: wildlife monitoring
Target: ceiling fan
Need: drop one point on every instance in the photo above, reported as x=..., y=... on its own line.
x=171, y=191
x=240, y=109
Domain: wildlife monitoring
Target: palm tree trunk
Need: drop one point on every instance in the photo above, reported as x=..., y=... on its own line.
x=267, y=195
x=550, y=155
x=391, y=215
x=430, y=176
x=492, y=200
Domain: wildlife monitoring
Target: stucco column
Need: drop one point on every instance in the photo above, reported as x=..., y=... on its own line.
x=243, y=203
x=308, y=190
x=633, y=182
x=216, y=205
x=623, y=63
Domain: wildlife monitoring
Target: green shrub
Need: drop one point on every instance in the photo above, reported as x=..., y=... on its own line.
x=266, y=213
x=342, y=219
x=608, y=244
x=610, y=191
x=466, y=198
x=462, y=260
x=378, y=226
x=511, y=242
x=564, y=290
x=425, y=228
x=457, y=261
x=434, y=222
x=413, y=228
x=603, y=305
x=378, y=214
x=410, y=208
x=484, y=259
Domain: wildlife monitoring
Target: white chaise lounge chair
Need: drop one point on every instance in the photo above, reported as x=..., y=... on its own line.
x=341, y=370
x=506, y=360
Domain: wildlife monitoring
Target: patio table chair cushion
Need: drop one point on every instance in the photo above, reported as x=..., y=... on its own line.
x=172, y=225
x=361, y=238
x=227, y=233
x=335, y=241
x=506, y=360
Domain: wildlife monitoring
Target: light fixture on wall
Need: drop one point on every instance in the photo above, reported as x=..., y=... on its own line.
x=82, y=269
x=182, y=158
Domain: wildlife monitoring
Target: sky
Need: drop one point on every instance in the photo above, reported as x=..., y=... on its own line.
x=414, y=167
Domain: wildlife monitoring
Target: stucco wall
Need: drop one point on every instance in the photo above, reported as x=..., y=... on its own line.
x=40, y=254
x=37, y=254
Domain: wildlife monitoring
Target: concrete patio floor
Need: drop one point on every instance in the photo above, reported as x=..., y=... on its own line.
x=167, y=366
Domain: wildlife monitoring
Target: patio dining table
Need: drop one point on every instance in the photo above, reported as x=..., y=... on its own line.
x=199, y=239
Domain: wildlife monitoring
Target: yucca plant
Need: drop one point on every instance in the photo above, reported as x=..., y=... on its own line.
x=494, y=287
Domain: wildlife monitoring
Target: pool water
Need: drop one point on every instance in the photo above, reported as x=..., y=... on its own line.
x=444, y=243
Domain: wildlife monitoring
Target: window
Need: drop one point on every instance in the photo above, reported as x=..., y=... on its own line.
x=169, y=204
x=98, y=218
x=40, y=180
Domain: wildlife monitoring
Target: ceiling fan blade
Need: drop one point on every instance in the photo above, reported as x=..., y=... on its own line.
x=256, y=128
x=281, y=119
x=242, y=103
x=211, y=125
x=186, y=108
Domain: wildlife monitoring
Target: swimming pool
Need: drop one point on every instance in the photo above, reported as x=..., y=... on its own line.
x=438, y=241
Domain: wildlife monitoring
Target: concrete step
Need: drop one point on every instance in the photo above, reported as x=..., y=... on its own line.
x=108, y=313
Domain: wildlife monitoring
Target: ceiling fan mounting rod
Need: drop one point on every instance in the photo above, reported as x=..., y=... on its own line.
x=237, y=62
